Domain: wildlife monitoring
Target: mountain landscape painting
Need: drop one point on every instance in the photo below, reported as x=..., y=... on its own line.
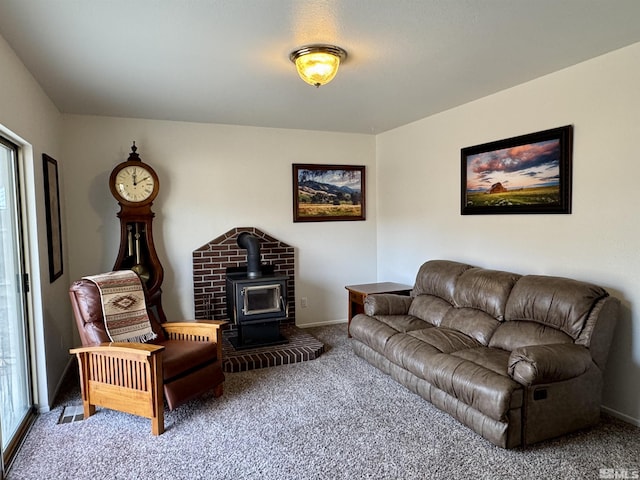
x=328, y=192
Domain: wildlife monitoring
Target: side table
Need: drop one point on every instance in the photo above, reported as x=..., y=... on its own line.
x=357, y=294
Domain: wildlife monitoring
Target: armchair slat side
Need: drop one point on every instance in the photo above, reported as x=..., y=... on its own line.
x=123, y=378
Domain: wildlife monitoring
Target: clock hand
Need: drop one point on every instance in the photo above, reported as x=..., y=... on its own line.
x=140, y=181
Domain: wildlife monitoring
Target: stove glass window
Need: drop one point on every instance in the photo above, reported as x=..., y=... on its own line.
x=262, y=299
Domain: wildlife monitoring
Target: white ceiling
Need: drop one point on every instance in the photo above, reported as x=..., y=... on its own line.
x=226, y=61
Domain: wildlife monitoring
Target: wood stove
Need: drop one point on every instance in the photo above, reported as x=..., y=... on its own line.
x=256, y=306
x=256, y=300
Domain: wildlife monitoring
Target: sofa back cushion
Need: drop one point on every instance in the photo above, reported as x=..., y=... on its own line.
x=555, y=302
x=438, y=278
x=430, y=308
x=512, y=335
x=468, y=299
x=480, y=297
x=544, y=310
x=486, y=290
x=503, y=309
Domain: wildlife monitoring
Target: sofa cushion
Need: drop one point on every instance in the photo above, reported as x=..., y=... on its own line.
x=484, y=390
x=429, y=308
x=417, y=349
x=494, y=359
x=473, y=378
x=486, y=290
x=438, y=277
x=512, y=335
x=410, y=353
x=445, y=340
x=557, y=302
x=403, y=323
x=473, y=323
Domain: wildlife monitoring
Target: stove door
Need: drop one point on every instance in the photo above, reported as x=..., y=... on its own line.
x=262, y=299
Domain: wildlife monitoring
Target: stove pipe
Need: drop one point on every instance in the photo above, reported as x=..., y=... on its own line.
x=252, y=245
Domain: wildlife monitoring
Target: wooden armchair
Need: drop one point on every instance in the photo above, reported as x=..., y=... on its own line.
x=183, y=362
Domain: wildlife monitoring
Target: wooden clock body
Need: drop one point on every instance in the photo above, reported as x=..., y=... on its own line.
x=137, y=250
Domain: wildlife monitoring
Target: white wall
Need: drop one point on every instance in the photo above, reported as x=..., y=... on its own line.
x=214, y=178
x=418, y=172
x=30, y=119
x=209, y=185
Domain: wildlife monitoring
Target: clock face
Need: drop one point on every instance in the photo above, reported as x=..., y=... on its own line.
x=134, y=183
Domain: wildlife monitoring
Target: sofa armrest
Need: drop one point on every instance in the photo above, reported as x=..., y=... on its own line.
x=537, y=364
x=387, y=304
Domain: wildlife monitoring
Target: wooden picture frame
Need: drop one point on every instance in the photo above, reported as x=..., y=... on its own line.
x=323, y=193
x=525, y=174
x=52, y=209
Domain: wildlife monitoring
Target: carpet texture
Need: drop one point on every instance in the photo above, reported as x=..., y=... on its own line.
x=335, y=417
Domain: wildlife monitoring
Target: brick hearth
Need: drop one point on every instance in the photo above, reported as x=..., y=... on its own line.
x=301, y=347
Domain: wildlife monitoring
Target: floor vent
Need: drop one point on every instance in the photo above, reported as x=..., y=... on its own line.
x=72, y=413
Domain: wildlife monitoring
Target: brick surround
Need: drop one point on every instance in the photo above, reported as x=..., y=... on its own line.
x=210, y=263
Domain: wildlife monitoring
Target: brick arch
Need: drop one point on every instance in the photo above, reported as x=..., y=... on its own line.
x=210, y=263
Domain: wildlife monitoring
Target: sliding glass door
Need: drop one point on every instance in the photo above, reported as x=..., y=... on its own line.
x=15, y=383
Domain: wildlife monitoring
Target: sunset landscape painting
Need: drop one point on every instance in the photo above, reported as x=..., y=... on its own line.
x=517, y=175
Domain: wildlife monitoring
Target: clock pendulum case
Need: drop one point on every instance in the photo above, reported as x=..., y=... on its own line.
x=135, y=185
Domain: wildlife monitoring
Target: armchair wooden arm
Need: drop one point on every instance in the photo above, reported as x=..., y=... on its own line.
x=196, y=330
x=125, y=377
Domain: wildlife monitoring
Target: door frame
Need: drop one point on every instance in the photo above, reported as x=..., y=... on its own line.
x=26, y=244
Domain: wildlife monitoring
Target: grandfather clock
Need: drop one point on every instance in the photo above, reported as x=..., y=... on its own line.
x=135, y=185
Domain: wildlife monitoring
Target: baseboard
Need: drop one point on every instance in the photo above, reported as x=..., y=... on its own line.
x=322, y=324
x=47, y=408
x=621, y=416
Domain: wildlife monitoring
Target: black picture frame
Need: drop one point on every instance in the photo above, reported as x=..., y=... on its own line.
x=520, y=175
x=326, y=193
x=52, y=209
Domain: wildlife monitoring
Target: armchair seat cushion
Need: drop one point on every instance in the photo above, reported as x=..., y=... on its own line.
x=181, y=356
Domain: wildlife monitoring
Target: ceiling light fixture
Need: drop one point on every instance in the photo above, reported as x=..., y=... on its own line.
x=318, y=64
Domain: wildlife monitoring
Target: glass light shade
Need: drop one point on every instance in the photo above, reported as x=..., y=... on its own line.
x=318, y=64
x=317, y=68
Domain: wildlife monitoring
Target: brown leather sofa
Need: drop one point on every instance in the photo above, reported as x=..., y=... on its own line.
x=186, y=355
x=518, y=359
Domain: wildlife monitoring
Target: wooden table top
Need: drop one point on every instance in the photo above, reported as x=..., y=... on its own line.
x=381, y=287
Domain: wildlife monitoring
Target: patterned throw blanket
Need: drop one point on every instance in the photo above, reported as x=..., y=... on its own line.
x=125, y=311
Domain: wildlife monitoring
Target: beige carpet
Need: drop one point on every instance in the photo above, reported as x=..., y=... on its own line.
x=335, y=417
